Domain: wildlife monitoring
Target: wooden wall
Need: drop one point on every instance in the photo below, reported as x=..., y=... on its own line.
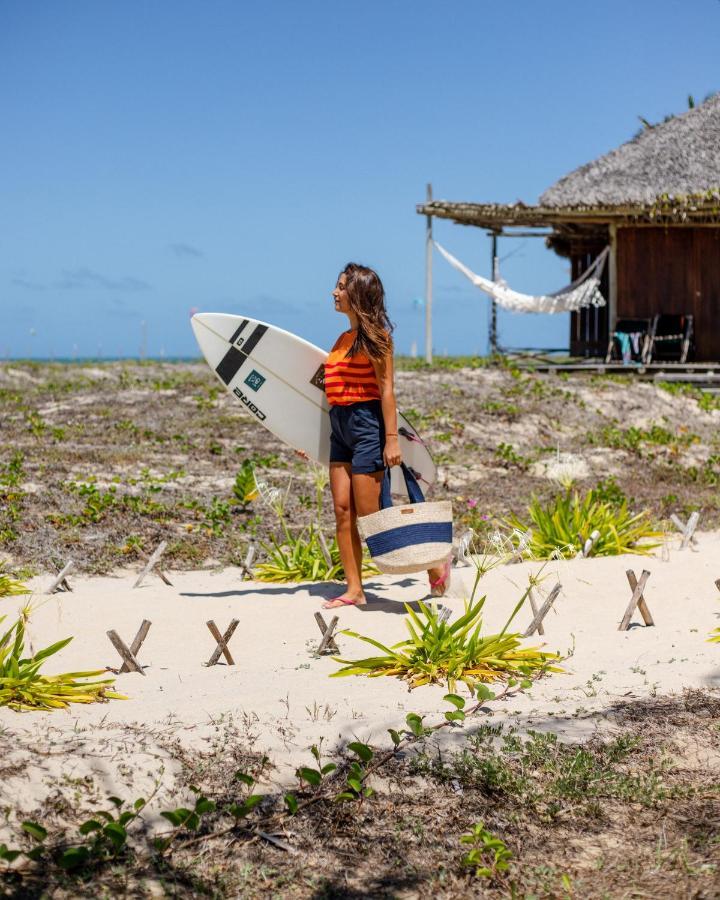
x=672, y=270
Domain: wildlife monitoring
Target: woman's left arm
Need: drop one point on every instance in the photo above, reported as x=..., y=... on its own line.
x=384, y=374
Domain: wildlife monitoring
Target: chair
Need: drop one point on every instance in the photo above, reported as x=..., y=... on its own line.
x=670, y=338
x=629, y=341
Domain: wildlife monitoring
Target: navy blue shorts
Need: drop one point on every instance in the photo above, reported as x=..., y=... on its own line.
x=358, y=436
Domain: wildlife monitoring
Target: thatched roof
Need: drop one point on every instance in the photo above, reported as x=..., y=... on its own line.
x=678, y=157
x=669, y=174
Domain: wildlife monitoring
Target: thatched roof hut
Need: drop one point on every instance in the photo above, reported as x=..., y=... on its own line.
x=656, y=201
x=677, y=158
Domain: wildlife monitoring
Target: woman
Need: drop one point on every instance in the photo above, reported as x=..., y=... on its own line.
x=363, y=417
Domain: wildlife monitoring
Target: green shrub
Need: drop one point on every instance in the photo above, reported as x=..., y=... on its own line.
x=563, y=525
x=439, y=651
x=23, y=687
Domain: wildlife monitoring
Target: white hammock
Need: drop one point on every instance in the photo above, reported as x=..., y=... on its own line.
x=585, y=291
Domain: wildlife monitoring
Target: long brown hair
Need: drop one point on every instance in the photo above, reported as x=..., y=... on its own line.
x=366, y=295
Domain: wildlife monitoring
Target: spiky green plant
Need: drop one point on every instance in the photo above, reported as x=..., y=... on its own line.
x=303, y=557
x=439, y=651
x=561, y=527
x=11, y=587
x=22, y=687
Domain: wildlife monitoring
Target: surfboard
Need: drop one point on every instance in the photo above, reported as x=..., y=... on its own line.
x=279, y=378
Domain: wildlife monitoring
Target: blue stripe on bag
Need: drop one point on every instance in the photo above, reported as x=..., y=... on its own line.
x=408, y=535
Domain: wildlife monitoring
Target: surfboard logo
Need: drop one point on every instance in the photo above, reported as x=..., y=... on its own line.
x=318, y=379
x=250, y=405
x=230, y=364
x=255, y=380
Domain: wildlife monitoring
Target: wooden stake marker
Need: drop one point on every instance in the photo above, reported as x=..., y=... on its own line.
x=130, y=663
x=222, y=642
x=534, y=608
x=539, y=614
x=588, y=545
x=324, y=549
x=461, y=547
x=327, y=644
x=637, y=599
x=154, y=559
x=687, y=528
x=245, y=567
x=60, y=581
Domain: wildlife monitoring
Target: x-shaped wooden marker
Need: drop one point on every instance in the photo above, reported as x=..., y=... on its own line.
x=60, y=581
x=637, y=599
x=245, y=567
x=461, y=548
x=327, y=644
x=130, y=663
x=222, y=642
x=154, y=559
x=687, y=529
x=539, y=614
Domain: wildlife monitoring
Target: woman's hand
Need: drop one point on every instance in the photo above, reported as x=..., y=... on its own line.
x=303, y=455
x=391, y=454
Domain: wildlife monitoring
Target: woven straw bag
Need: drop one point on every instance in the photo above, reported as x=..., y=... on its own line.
x=408, y=538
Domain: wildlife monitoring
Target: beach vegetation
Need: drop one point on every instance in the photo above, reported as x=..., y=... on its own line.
x=11, y=586
x=245, y=489
x=509, y=456
x=488, y=856
x=438, y=651
x=561, y=526
x=23, y=687
x=303, y=555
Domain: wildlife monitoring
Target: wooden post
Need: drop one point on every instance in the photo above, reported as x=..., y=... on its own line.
x=324, y=548
x=130, y=663
x=642, y=605
x=222, y=642
x=61, y=579
x=687, y=529
x=493, y=341
x=327, y=644
x=612, y=280
x=150, y=563
x=461, y=547
x=534, y=608
x=637, y=596
x=587, y=546
x=245, y=567
x=544, y=610
x=428, y=280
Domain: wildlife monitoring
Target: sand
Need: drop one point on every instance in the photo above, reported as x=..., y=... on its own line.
x=278, y=697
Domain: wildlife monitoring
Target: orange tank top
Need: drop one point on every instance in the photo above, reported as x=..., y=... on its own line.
x=349, y=379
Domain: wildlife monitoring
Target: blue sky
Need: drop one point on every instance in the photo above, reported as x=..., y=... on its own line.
x=233, y=156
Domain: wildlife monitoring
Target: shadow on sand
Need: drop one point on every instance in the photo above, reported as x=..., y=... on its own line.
x=326, y=590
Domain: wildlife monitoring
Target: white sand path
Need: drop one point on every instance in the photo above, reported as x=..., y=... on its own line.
x=280, y=696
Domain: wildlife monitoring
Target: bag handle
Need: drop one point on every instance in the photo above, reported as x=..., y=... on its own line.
x=413, y=488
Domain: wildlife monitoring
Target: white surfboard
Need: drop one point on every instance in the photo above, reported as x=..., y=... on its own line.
x=279, y=379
